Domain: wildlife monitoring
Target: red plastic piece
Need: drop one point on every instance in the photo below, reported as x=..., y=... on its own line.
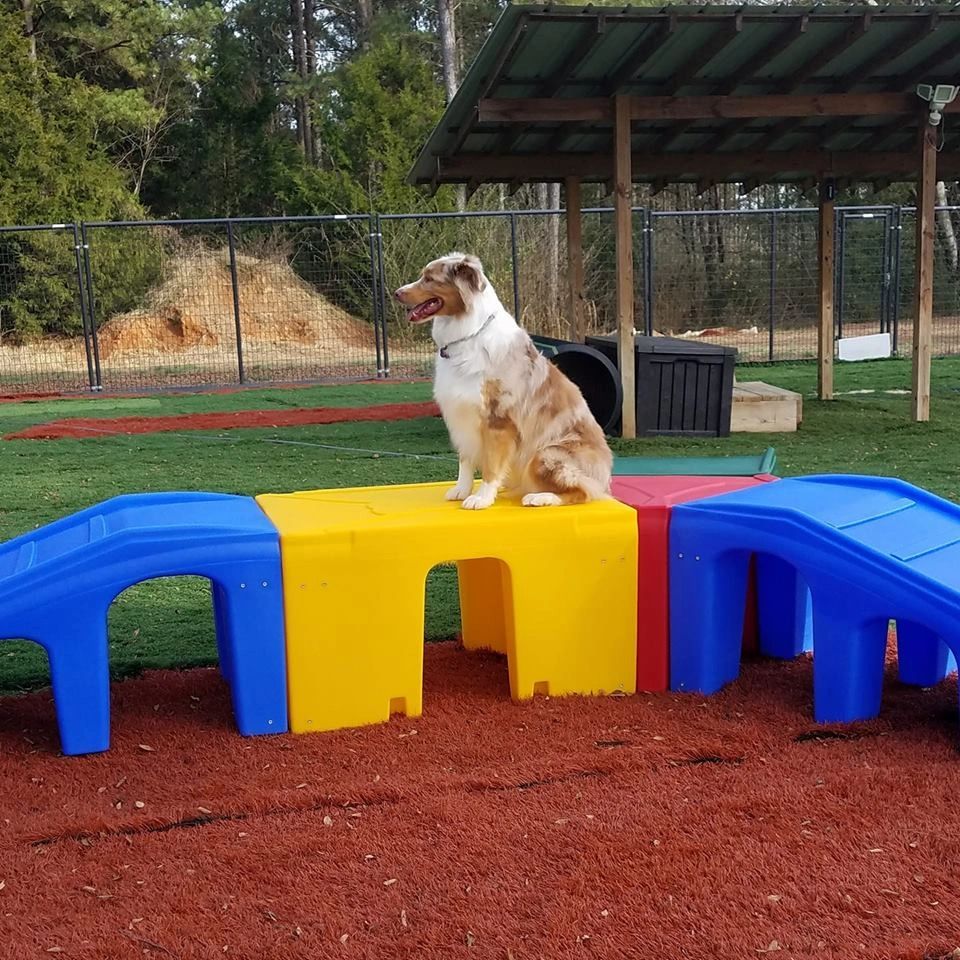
x=751, y=624
x=653, y=498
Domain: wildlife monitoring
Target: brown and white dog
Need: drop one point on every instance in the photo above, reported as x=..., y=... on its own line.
x=510, y=412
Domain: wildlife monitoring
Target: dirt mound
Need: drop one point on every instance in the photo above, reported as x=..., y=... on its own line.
x=193, y=307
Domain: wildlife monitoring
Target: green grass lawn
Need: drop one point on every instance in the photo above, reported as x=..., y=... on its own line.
x=169, y=623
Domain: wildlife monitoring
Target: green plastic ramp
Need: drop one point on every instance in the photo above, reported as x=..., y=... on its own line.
x=746, y=466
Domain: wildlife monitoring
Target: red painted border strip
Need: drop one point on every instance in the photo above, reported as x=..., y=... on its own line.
x=78, y=427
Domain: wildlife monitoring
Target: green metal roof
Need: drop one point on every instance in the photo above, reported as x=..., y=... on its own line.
x=590, y=52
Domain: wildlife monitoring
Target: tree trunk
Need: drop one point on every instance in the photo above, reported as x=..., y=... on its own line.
x=28, y=29
x=548, y=197
x=311, y=48
x=365, y=13
x=300, y=67
x=448, y=46
x=446, y=18
x=946, y=228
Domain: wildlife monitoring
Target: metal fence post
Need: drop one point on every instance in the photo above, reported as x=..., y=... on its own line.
x=897, y=245
x=381, y=273
x=376, y=303
x=84, y=319
x=235, y=283
x=91, y=309
x=840, y=229
x=648, y=264
x=773, y=280
x=885, y=274
x=516, y=267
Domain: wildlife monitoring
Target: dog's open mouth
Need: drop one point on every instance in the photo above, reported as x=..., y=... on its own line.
x=424, y=311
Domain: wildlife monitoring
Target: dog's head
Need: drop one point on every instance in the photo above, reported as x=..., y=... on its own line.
x=446, y=288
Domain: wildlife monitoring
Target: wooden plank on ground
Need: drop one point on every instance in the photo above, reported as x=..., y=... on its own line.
x=764, y=408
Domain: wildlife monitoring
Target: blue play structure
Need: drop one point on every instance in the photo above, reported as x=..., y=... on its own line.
x=869, y=550
x=57, y=583
x=837, y=558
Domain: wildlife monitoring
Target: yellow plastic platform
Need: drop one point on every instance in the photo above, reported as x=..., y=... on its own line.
x=554, y=588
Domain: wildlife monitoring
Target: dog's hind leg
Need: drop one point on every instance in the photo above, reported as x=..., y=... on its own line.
x=555, y=479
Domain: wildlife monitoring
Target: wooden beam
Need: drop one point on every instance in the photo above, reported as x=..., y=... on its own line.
x=748, y=69
x=551, y=167
x=640, y=54
x=891, y=50
x=575, y=289
x=825, y=55
x=767, y=54
x=702, y=55
x=434, y=184
x=506, y=55
x=547, y=110
x=528, y=110
x=589, y=38
x=919, y=73
x=463, y=131
x=825, y=246
x=923, y=302
x=555, y=13
x=501, y=64
x=623, y=215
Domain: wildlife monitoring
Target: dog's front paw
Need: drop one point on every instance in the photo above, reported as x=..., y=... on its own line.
x=458, y=492
x=477, y=502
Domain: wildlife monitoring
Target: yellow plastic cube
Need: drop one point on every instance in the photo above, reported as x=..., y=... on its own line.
x=554, y=588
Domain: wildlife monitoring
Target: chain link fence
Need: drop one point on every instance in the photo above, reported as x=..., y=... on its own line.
x=144, y=305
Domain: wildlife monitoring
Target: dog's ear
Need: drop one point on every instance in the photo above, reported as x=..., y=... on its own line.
x=469, y=271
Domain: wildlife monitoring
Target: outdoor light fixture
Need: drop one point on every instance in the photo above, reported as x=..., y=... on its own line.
x=938, y=97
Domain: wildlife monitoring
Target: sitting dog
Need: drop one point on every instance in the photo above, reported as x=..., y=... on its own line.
x=510, y=412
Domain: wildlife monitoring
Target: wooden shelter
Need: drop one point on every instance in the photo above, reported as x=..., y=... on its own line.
x=821, y=95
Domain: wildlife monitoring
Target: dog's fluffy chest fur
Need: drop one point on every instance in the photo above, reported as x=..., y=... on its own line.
x=464, y=380
x=473, y=358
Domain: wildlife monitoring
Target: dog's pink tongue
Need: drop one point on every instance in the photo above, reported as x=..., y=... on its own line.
x=425, y=309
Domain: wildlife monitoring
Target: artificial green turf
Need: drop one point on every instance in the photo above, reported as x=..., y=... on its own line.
x=169, y=623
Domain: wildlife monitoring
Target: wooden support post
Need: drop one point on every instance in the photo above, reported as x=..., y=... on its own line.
x=825, y=244
x=574, y=260
x=623, y=194
x=923, y=305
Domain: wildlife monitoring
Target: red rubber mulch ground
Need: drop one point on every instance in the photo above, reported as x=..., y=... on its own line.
x=75, y=427
x=199, y=389
x=636, y=827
